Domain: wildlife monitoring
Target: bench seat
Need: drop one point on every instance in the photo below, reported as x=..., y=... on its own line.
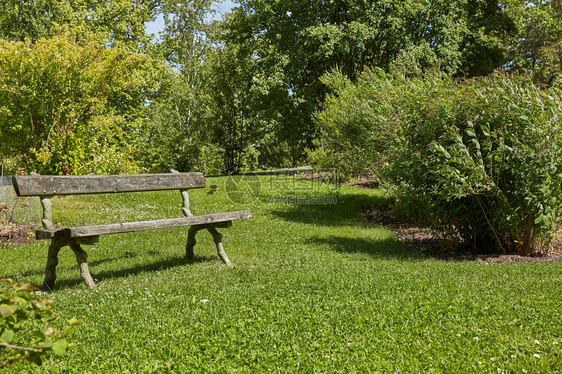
x=118, y=228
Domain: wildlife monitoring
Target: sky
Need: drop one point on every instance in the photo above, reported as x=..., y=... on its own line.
x=222, y=7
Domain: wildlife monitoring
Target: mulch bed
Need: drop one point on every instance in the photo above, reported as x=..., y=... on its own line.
x=423, y=241
x=12, y=234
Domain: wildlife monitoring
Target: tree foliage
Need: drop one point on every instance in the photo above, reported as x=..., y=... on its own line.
x=251, y=84
x=179, y=113
x=114, y=21
x=232, y=94
x=20, y=19
x=294, y=43
x=537, y=46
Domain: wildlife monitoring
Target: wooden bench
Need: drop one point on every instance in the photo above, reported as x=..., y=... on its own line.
x=47, y=186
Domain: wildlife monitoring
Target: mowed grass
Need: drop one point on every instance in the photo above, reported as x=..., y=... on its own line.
x=314, y=288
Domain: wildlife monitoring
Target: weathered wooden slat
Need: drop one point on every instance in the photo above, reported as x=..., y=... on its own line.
x=48, y=185
x=117, y=228
x=6, y=180
x=44, y=234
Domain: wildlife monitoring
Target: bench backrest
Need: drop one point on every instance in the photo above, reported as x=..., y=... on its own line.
x=50, y=185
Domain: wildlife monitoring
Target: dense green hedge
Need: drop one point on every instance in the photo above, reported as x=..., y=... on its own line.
x=478, y=159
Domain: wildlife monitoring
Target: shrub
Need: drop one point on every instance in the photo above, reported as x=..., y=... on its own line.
x=358, y=129
x=478, y=159
x=71, y=105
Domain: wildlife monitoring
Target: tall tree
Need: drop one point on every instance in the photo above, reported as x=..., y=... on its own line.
x=180, y=112
x=187, y=39
x=233, y=122
x=295, y=42
x=537, y=46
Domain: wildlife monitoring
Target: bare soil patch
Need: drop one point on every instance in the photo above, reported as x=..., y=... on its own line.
x=363, y=183
x=12, y=234
x=312, y=176
x=423, y=240
x=323, y=177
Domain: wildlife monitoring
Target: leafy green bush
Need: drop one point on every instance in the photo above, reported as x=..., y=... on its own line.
x=24, y=326
x=479, y=159
x=72, y=106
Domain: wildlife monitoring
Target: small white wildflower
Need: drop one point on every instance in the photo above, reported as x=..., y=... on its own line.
x=458, y=335
x=475, y=339
x=204, y=301
x=537, y=355
x=525, y=371
x=90, y=304
x=513, y=356
x=555, y=343
x=537, y=342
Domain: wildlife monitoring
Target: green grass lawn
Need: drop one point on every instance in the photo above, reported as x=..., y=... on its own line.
x=314, y=288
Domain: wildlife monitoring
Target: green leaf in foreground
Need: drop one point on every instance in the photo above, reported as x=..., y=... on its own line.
x=59, y=347
x=7, y=310
x=7, y=336
x=25, y=326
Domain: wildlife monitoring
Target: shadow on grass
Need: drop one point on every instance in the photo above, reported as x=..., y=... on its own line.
x=70, y=266
x=344, y=213
x=137, y=269
x=389, y=248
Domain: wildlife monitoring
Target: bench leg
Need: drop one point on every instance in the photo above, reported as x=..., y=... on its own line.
x=52, y=262
x=191, y=241
x=82, y=259
x=217, y=237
